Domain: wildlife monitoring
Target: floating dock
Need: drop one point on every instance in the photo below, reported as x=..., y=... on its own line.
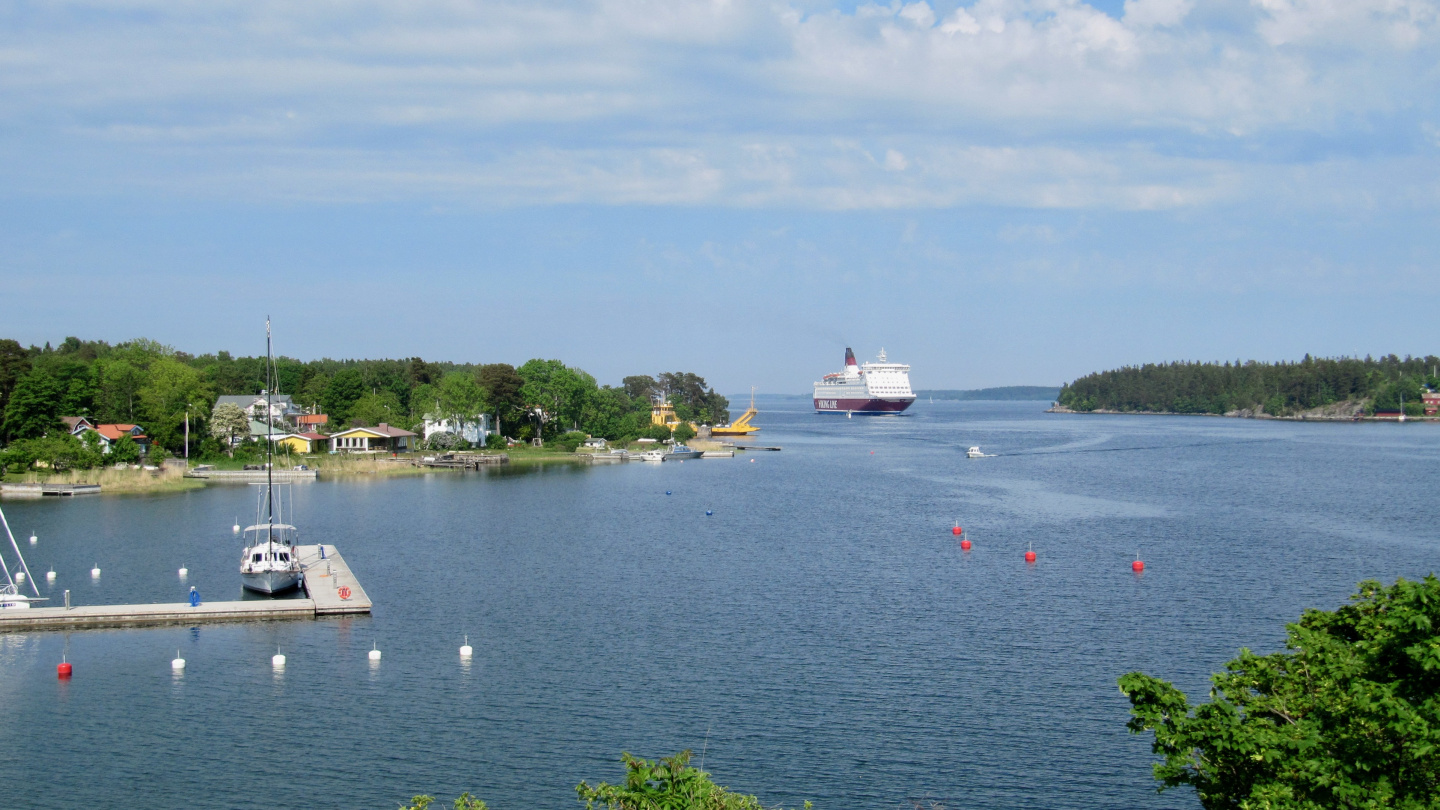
x=330, y=589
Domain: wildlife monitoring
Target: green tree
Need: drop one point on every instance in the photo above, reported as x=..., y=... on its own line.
x=502, y=384
x=33, y=409
x=170, y=388
x=341, y=393
x=14, y=364
x=669, y=784
x=372, y=409
x=124, y=450
x=118, y=399
x=556, y=392
x=461, y=400
x=683, y=432
x=1347, y=717
x=227, y=421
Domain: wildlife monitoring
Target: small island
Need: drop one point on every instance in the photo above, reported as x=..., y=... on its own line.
x=1340, y=388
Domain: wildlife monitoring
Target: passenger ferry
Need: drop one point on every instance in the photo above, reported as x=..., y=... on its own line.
x=879, y=387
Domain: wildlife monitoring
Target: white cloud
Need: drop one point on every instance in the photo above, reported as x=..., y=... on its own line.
x=1042, y=103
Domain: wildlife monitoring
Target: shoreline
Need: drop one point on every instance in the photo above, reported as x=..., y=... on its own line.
x=1246, y=414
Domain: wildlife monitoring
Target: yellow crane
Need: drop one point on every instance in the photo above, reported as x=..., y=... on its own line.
x=741, y=426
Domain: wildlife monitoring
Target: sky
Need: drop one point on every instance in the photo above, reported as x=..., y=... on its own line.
x=1002, y=192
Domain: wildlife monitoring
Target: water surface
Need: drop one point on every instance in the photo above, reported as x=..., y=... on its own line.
x=821, y=636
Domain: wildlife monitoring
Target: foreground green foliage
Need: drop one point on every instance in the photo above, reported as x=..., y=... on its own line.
x=1348, y=717
x=669, y=784
x=1273, y=388
x=463, y=802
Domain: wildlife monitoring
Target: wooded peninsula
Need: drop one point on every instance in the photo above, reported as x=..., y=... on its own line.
x=1337, y=387
x=144, y=386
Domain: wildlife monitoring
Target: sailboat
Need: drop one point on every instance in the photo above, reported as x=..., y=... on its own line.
x=10, y=596
x=269, y=564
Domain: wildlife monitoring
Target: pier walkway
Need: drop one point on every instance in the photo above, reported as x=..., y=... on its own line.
x=330, y=588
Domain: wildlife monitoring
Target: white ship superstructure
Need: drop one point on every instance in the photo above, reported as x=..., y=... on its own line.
x=879, y=387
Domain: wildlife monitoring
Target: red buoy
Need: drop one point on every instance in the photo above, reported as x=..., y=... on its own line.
x=965, y=545
x=1030, y=555
x=63, y=670
x=1137, y=566
x=957, y=530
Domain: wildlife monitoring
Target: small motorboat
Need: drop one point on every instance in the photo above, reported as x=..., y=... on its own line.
x=974, y=452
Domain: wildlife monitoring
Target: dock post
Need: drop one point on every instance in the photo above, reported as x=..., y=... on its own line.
x=67, y=598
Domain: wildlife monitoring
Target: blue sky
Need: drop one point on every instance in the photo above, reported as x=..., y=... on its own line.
x=998, y=192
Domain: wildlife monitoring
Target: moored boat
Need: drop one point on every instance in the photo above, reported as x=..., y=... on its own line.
x=10, y=596
x=269, y=564
x=680, y=452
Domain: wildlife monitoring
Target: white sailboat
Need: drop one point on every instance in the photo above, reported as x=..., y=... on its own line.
x=269, y=564
x=11, y=597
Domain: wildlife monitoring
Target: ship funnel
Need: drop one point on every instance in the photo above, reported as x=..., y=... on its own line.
x=850, y=358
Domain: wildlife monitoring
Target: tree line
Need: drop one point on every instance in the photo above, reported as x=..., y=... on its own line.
x=1277, y=389
x=158, y=387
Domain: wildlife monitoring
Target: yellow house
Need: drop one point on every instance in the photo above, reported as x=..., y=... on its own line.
x=303, y=442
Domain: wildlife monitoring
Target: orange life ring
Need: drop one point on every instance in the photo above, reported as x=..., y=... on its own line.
x=344, y=591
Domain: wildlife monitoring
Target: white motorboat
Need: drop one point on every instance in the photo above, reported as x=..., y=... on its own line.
x=974, y=452
x=269, y=563
x=10, y=596
x=652, y=455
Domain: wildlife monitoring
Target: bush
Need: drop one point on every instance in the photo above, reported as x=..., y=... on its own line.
x=671, y=782
x=123, y=450
x=683, y=432
x=569, y=441
x=657, y=432
x=495, y=441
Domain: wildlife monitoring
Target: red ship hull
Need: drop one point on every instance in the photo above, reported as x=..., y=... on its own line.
x=823, y=405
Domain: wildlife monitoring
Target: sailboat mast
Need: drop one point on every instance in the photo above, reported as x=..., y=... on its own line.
x=21, y=557
x=269, y=438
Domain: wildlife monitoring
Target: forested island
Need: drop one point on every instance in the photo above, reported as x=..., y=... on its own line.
x=157, y=387
x=1337, y=387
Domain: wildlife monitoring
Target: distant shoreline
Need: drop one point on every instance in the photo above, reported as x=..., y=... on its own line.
x=1248, y=414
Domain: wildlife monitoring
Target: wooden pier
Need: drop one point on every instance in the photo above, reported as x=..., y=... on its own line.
x=330, y=589
x=463, y=461
x=251, y=476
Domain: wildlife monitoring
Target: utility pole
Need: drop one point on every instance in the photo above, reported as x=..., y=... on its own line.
x=187, y=432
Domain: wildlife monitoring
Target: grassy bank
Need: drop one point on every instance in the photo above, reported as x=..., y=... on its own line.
x=117, y=482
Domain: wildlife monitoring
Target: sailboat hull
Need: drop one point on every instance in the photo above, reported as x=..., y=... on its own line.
x=270, y=582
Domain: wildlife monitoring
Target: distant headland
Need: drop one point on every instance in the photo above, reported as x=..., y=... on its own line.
x=1338, y=388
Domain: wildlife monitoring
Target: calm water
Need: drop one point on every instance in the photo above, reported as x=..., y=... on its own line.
x=823, y=626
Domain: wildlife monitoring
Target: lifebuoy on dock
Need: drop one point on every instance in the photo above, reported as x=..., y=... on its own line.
x=344, y=591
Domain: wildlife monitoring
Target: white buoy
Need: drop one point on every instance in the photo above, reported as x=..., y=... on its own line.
x=19, y=576
x=236, y=527
x=95, y=572
x=184, y=572
x=179, y=663
x=33, y=539
x=375, y=652
x=50, y=575
x=277, y=660
x=465, y=651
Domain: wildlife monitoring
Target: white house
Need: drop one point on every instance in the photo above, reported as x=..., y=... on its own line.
x=281, y=406
x=475, y=430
